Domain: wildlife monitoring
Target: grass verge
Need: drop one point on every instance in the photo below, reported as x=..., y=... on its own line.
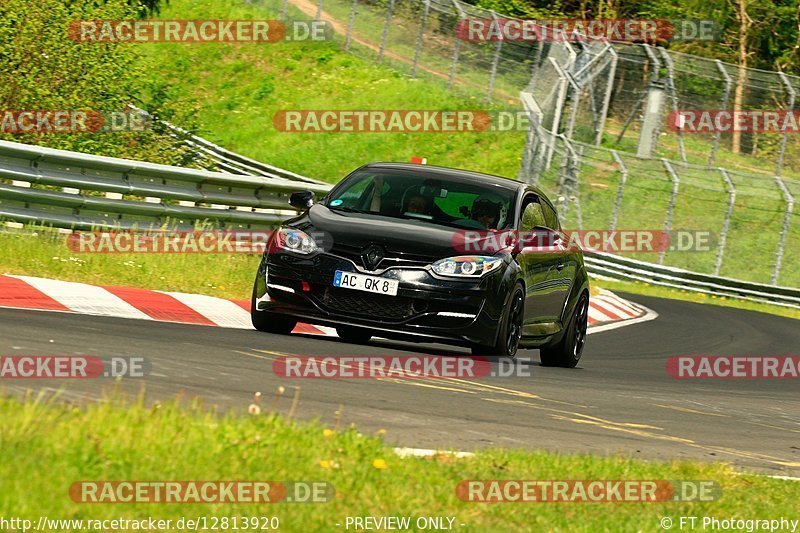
x=127, y=439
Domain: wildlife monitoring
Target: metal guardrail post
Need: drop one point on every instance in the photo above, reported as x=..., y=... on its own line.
x=723, y=234
x=351, y=22
x=385, y=35
x=456, y=48
x=601, y=123
x=495, y=62
x=576, y=96
x=674, y=97
x=648, y=135
x=790, y=105
x=725, y=95
x=623, y=179
x=671, y=208
x=784, y=230
x=560, y=98
x=568, y=179
x=420, y=37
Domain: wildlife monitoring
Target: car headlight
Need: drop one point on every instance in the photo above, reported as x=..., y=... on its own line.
x=294, y=240
x=467, y=266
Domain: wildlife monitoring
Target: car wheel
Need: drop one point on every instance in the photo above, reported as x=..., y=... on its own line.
x=269, y=322
x=567, y=352
x=510, y=328
x=353, y=335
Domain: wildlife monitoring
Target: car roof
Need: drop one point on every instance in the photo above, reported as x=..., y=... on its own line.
x=467, y=176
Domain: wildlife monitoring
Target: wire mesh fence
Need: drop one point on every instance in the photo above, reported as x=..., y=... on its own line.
x=602, y=138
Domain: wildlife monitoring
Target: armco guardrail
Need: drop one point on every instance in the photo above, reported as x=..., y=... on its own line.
x=236, y=163
x=618, y=267
x=86, y=191
x=228, y=161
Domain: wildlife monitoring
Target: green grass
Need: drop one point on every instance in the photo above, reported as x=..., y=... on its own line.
x=238, y=88
x=54, y=445
x=646, y=289
x=44, y=253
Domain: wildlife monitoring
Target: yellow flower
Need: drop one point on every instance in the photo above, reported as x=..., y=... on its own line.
x=381, y=432
x=325, y=463
x=327, y=432
x=380, y=464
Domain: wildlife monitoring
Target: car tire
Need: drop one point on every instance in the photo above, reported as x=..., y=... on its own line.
x=510, y=333
x=353, y=335
x=567, y=352
x=269, y=322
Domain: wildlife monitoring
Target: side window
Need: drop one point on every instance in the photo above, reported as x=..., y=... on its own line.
x=532, y=215
x=550, y=217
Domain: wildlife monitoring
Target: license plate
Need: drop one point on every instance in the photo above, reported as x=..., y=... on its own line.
x=360, y=282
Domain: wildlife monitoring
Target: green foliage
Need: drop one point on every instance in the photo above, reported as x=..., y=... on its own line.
x=772, y=40
x=41, y=68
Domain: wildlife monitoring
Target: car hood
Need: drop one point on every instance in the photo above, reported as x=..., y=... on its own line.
x=356, y=230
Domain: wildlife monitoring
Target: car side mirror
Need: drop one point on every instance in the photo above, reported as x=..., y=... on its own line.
x=301, y=200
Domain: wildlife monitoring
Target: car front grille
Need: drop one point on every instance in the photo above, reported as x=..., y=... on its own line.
x=392, y=259
x=371, y=305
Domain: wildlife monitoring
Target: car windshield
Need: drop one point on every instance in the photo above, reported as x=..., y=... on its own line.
x=433, y=199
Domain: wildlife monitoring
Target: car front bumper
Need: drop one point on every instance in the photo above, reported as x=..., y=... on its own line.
x=426, y=307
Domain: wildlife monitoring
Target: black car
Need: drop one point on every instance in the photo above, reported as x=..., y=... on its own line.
x=411, y=252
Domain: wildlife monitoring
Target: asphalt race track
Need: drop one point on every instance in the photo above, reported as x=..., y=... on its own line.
x=619, y=399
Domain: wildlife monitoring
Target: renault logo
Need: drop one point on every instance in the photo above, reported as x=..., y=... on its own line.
x=372, y=257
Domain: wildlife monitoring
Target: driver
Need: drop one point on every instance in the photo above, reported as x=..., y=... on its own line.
x=417, y=201
x=488, y=211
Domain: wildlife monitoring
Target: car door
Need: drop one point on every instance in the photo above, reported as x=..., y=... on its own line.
x=544, y=297
x=561, y=277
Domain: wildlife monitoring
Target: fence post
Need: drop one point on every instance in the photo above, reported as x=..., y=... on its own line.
x=648, y=136
x=674, y=97
x=284, y=5
x=723, y=234
x=560, y=98
x=456, y=49
x=784, y=230
x=495, y=62
x=319, y=10
x=575, y=100
x=671, y=208
x=351, y=22
x=420, y=37
x=782, y=150
x=385, y=34
x=601, y=124
x=728, y=83
x=623, y=179
x=568, y=179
